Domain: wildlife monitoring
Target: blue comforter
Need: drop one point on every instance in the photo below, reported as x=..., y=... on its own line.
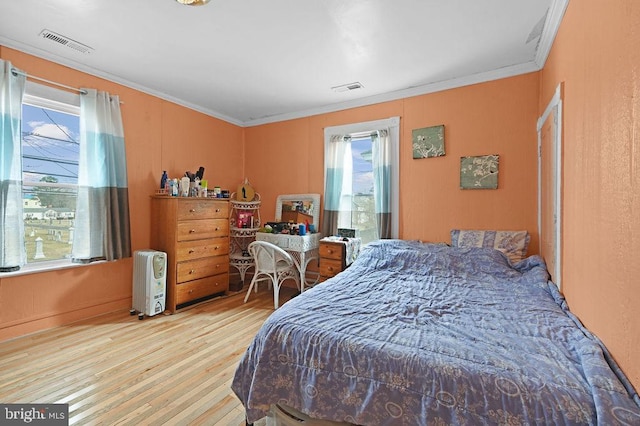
x=417, y=334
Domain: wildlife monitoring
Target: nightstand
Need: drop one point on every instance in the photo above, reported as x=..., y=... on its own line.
x=336, y=255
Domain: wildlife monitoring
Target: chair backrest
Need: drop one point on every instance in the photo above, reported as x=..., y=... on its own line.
x=268, y=256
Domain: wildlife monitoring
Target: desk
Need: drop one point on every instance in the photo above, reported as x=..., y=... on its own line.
x=303, y=249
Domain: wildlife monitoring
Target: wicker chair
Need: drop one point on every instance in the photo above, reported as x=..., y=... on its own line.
x=273, y=264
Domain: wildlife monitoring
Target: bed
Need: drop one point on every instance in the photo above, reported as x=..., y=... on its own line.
x=420, y=334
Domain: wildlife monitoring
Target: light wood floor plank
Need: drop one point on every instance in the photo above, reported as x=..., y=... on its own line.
x=118, y=370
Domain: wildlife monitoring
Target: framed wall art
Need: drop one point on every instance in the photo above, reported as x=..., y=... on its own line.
x=428, y=142
x=479, y=172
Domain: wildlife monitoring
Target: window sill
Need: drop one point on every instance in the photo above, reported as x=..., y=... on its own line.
x=53, y=265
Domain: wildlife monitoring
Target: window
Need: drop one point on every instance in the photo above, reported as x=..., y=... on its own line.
x=361, y=179
x=50, y=153
x=357, y=191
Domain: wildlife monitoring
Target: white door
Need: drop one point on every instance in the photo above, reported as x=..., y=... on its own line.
x=549, y=186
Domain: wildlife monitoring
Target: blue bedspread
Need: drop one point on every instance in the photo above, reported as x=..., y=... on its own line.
x=421, y=334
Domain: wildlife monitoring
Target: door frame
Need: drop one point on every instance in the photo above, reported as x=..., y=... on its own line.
x=554, y=107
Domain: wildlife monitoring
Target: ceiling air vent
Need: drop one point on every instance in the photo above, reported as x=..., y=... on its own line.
x=347, y=87
x=536, y=32
x=65, y=41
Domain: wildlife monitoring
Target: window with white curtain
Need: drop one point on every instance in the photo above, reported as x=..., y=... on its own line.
x=362, y=179
x=69, y=159
x=357, y=204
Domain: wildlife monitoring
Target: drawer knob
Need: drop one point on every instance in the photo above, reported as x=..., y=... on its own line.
x=192, y=210
x=193, y=271
x=191, y=251
x=217, y=210
x=330, y=268
x=217, y=229
x=190, y=291
x=329, y=251
x=216, y=248
x=191, y=231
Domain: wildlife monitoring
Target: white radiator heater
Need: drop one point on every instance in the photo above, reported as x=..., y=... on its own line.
x=149, y=282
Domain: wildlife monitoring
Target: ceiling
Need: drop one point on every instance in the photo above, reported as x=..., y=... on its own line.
x=252, y=62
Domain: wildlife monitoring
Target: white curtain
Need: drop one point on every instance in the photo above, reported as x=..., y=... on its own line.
x=12, y=251
x=102, y=230
x=382, y=154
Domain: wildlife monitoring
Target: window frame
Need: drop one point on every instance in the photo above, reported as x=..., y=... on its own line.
x=42, y=96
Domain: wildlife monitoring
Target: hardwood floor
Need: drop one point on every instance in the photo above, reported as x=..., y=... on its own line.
x=118, y=370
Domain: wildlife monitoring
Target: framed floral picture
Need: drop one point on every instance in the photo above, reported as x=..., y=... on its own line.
x=479, y=172
x=428, y=142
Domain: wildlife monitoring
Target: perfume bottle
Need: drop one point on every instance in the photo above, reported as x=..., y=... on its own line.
x=174, y=188
x=163, y=180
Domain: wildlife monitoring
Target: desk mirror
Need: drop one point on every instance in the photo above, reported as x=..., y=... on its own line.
x=298, y=208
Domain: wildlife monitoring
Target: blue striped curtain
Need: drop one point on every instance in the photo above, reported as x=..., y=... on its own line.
x=381, y=155
x=102, y=229
x=337, y=163
x=12, y=251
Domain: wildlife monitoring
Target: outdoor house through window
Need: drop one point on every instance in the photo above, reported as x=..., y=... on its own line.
x=50, y=153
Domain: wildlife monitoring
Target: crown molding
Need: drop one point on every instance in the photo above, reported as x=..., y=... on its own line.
x=31, y=50
x=505, y=72
x=550, y=30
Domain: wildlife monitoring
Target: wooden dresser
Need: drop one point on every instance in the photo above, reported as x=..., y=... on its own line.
x=194, y=232
x=332, y=259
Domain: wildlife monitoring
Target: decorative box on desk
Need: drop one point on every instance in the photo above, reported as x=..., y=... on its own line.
x=296, y=217
x=336, y=254
x=194, y=232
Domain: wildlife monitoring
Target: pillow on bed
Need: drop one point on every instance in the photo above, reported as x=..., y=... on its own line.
x=513, y=244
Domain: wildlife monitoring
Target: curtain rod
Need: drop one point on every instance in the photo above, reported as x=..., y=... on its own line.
x=361, y=135
x=33, y=77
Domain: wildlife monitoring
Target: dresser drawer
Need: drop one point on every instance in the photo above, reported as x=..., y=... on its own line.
x=330, y=267
x=202, y=209
x=332, y=250
x=201, y=229
x=192, y=290
x=200, y=268
x=189, y=250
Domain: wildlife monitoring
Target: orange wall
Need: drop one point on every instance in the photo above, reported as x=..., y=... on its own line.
x=596, y=55
x=491, y=118
x=160, y=136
